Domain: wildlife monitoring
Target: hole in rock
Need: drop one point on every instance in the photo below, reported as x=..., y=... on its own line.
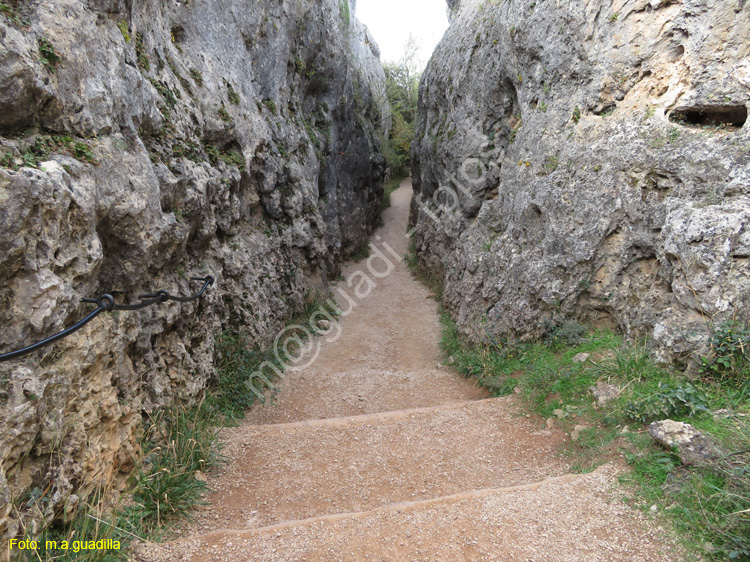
x=178, y=34
x=726, y=116
x=677, y=53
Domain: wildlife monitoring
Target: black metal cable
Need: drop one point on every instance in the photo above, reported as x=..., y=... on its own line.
x=106, y=302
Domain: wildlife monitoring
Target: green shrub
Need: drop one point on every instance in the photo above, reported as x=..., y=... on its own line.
x=729, y=354
x=402, y=89
x=32, y=155
x=671, y=400
x=7, y=160
x=165, y=91
x=232, y=157
x=568, y=332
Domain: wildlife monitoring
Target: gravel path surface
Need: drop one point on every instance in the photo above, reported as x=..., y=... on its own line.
x=376, y=452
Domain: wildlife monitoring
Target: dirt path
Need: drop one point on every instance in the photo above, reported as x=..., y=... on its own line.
x=388, y=353
x=376, y=452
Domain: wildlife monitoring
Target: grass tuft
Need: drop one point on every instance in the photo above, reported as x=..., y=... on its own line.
x=181, y=450
x=709, y=505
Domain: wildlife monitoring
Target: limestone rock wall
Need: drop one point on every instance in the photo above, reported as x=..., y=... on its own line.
x=173, y=139
x=588, y=161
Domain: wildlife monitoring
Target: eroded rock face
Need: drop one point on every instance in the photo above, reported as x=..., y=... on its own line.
x=599, y=164
x=237, y=139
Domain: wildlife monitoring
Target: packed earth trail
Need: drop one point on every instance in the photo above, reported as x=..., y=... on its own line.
x=375, y=451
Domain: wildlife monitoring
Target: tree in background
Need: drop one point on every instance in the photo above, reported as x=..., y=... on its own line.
x=402, y=88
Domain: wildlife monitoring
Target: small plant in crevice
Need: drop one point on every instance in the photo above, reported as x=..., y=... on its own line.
x=551, y=163
x=232, y=95
x=7, y=160
x=140, y=52
x=123, y=26
x=47, y=54
x=659, y=141
x=83, y=152
x=232, y=157
x=224, y=114
x=515, y=122
x=271, y=105
x=300, y=66
x=169, y=95
x=197, y=77
x=9, y=9
x=31, y=155
x=311, y=131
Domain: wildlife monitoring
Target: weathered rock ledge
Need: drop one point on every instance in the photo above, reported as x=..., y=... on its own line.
x=601, y=160
x=237, y=139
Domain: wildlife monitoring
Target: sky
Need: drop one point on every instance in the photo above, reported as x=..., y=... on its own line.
x=391, y=22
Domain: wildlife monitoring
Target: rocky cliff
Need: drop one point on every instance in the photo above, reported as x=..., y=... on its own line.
x=590, y=162
x=142, y=143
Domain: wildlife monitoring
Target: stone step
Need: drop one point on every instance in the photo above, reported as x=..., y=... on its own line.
x=319, y=395
x=570, y=518
x=307, y=469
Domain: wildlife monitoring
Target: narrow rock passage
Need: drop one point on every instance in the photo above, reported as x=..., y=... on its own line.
x=374, y=452
x=388, y=353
